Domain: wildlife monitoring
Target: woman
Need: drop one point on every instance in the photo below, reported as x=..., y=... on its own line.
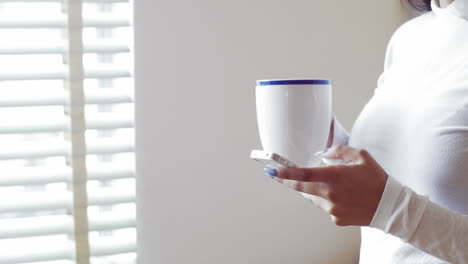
x=407, y=178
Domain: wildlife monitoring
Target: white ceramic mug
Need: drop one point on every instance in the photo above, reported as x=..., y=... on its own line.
x=294, y=118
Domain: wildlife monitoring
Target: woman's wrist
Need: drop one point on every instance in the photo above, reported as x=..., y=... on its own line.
x=399, y=211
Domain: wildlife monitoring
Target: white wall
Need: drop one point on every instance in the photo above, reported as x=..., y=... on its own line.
x=200, y=198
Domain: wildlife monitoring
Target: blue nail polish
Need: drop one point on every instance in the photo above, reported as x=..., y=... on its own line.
x=272, y=172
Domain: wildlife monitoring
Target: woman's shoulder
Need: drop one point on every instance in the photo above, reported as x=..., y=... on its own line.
x=414, y=27
x=406, y=35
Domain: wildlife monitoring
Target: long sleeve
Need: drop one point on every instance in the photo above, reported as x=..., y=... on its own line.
x=425, y=225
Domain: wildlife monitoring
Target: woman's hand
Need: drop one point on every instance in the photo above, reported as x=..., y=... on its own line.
x=349, y=193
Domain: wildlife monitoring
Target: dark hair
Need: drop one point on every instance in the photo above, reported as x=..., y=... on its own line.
x=421, y=5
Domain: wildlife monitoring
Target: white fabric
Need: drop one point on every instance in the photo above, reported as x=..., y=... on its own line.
x=416, y=127
x=340, y=135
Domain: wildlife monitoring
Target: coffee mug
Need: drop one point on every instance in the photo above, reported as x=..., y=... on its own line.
x=294, y=118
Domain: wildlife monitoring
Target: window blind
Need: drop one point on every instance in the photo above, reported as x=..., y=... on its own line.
x=67, y=176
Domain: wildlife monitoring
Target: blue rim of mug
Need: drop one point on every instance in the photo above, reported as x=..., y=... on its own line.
x=293, y=82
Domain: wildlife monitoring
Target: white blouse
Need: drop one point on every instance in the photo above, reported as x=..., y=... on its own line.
x=416, y=127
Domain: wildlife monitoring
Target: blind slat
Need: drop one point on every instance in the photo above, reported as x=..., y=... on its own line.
x=65, y=253
x=61, y=24
x=108, y=97
x=5, y=50
x=62, y=75
x=43, y=202
x=45, y=175
x=59, y=225
x=99, y=250
x=50, y=255
x=61, y=1
x=63, y=125
x=45, y=151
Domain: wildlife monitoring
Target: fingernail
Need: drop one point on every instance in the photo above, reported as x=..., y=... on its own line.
x=320, y=153
x=272, y=172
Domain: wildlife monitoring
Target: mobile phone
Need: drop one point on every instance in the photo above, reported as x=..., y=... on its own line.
x=270, y=158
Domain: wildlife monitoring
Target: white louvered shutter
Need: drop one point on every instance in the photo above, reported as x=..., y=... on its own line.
x=67, y=183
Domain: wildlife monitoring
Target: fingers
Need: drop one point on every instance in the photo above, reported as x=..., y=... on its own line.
x=320, y=202
x=317, y=189
x=350, y=192
x=326, y=174
x=336, y=213
x=347, y=153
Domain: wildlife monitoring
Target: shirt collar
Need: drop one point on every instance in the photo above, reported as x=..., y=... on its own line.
x=458, y=8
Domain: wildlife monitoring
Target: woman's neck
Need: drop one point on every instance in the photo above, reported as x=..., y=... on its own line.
x=445, y=3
